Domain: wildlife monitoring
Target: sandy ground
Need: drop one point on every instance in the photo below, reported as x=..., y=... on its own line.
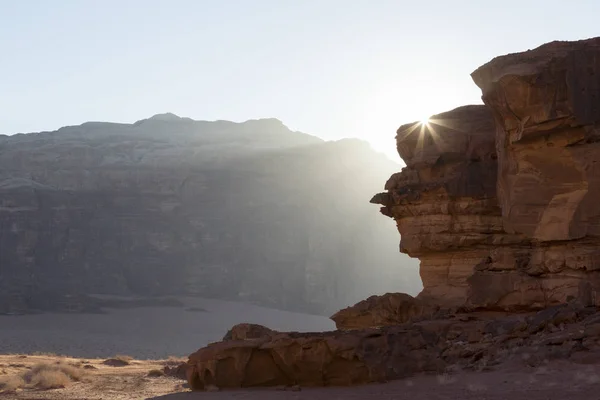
x=103, y=382
x=556, y=381
x=553, y=381
x=143, y=332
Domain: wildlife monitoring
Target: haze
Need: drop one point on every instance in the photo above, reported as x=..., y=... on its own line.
x=330, y=68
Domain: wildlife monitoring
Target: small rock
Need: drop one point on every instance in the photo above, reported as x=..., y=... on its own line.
x=156, y=373
x=296, y=388
x=116, y=362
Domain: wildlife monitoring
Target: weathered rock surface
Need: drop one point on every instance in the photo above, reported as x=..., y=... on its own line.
x=499, y=202
x=170, y=206
x=245, y=331
x=178, y=371
x=386, y=310
x=474, y=341
x=444, y=200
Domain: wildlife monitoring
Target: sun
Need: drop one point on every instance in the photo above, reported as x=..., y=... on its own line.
x=424, y=121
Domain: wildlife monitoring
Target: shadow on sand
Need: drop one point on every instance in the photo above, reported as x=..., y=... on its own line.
x=262, y=394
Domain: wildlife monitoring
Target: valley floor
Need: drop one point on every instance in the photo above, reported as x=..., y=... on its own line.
x=143, y=332
x=553, y=381
x=98, y=381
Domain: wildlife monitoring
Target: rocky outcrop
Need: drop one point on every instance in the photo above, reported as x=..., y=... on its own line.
x=171, y=206
x=472, y=341
x=499, y=201
x=545, y=103
x=248, y=331
x=444, y=200
x=386, y=310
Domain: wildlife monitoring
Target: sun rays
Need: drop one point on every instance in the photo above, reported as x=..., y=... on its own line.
x=427, y=135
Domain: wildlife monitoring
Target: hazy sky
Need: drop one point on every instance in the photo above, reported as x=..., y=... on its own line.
x=333, y=68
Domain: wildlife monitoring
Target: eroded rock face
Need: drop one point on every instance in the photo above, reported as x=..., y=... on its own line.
x=473, y=341
x=499, y=202
x=313, y=359
x=444, y=200
x=386, y=310
x=546, y=105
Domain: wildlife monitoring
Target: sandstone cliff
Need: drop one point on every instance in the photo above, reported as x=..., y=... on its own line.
x=500, y=202
x=170, y=206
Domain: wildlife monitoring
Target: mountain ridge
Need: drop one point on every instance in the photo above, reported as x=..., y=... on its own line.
x=240, y=211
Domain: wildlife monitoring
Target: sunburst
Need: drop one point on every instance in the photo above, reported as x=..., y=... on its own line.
x=425, y=129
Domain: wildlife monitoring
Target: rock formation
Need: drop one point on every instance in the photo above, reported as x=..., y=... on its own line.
x=376, y=311
x=170, y=206
x=444, y=200
x=499, y=202
x=248, y=331
x=472, y=341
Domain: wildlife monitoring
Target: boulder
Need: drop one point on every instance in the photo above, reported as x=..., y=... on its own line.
x=438, y=344
x=377, y=311
x=315, y=359
x=248, y=331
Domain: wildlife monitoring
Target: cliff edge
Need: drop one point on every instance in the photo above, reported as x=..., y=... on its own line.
x=499, y=204
x=499, y=201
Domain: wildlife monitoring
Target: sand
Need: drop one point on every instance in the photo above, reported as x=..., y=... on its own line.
x=553, y=381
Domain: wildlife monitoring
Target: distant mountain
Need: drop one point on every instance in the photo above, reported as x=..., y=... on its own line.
x=246, y=211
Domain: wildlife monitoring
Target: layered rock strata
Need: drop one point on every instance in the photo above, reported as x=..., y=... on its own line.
x=171, y=206
x=499, y=202
x=386, y=310
x=469, y=341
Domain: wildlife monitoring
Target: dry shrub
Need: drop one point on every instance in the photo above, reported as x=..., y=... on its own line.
x=50, y=379
x=52, y=376
x=118, y=361
x=45, y=354
x=11, y=383
x=155, y=373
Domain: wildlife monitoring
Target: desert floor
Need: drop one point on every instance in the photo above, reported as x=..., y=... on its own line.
x=553, y=381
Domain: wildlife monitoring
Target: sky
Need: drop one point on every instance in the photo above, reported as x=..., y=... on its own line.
x=331, y=68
